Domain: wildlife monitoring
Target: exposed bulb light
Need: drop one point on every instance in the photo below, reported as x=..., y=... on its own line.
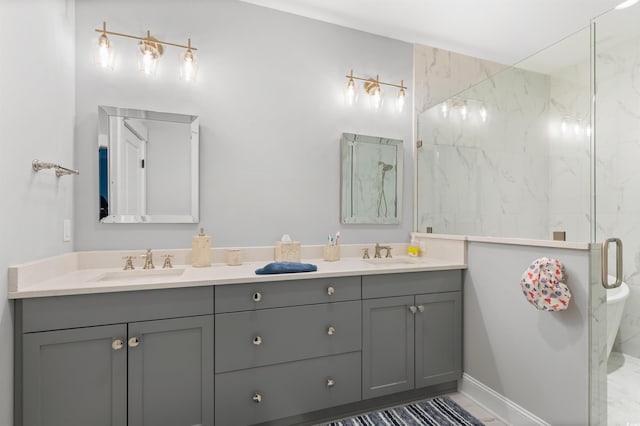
x=464, y=111
x=445, y=109
x=483, y=113
x=104, y=51
x=372, y=87
x=400, y=101
x=625, y=4
x=188, y=65
x=376, y=98
x=350, y=94
x=150, y=52
x=588, y=131
x=563, y=126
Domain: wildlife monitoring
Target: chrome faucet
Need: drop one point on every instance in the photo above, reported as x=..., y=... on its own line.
x=148, y=260
x=128, y=263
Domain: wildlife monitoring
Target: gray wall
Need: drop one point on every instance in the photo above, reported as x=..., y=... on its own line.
x=539, y=360
x=270, y=100
x=36, y=121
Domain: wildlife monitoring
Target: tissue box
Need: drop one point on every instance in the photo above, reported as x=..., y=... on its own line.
x=287, y=252
x=331, y=253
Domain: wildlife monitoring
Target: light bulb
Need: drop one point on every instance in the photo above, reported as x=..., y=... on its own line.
x=464, y=111
x=148, y=59
x=588, y=131
x=188, y=66
x=401, y=99
x=483, y=113
x=445, y=109
x=350, y=95
x=376, y=98
x=563, y=126
x=104, y=53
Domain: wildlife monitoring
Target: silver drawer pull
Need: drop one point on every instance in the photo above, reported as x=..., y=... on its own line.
x=133, y=342
x=257, y=340
x=330, y=291
x=257, y=297
x=421, y=308
x=331, y=331
x=330, y=382
x=257, y=398
x=413, y=309
x=117, y=344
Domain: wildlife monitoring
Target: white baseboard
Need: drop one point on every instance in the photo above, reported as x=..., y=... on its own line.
x=503, y=408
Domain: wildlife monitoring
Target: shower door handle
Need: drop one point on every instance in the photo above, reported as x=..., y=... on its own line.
x=605, y=263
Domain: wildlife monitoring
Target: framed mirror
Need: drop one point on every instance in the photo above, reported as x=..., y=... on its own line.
x=371, y=177
x=147, y=166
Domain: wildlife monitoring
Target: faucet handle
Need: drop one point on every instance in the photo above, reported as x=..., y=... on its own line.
x=167, y=261
x=365, y=253
x=128, y=263
x=388, y=255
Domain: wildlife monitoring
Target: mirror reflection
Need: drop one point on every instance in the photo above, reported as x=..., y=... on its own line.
x=371, y=179
x=148, y=166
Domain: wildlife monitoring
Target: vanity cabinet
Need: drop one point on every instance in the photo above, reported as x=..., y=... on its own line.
x=412, y=331
x=286, y=348
x=153, y=373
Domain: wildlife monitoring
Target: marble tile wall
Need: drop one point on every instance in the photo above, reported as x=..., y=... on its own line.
x=618, y=179
x=488, y=177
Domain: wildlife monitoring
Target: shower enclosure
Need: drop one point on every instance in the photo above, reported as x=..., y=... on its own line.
x=551, y=145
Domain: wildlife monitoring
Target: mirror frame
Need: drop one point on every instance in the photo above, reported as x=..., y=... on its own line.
x=104, y=114
x=346, y=179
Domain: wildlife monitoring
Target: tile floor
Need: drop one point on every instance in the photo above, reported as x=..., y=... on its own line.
x=475, y=410
x=623, y=391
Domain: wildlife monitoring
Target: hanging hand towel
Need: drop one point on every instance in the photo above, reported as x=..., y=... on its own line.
x=544, y=285
x=286, y=268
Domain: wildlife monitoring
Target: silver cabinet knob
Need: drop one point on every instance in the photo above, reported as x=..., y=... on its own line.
x=330, y=291
x=331, y=331
x=133, y=342
x=413, y=309
x=257, y=297
x=117, y=344
x=257, y=340
x=330, y=382
x=421, y=308
x=257, y=398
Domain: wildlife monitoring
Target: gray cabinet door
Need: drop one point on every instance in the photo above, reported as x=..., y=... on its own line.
x=75, y=377
x=171, y=372
x=387, y=346
x=438, y=338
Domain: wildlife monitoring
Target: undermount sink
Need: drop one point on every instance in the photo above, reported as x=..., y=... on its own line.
x=139, y=275
x=391, y=261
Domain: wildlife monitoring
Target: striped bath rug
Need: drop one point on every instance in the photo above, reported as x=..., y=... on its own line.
x=441, y=411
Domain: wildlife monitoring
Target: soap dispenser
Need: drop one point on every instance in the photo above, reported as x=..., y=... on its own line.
x=201, y=250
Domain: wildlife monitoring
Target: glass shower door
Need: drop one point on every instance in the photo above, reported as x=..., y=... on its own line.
x=616, y=163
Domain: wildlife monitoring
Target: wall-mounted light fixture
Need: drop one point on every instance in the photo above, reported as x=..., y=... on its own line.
x=465, y=108
x=574, y=125
x=372, y=86
x=149, y=49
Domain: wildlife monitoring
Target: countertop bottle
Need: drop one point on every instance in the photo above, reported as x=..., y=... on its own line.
x=201, y=250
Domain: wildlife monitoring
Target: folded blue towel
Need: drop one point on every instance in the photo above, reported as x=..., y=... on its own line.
x=286, y=268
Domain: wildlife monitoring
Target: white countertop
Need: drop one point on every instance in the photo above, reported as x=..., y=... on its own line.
x=72, y=274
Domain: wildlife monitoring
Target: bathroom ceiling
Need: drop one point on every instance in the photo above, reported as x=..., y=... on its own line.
x=504, y=31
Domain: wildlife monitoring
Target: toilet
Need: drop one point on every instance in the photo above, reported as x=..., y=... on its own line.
x=616, y=298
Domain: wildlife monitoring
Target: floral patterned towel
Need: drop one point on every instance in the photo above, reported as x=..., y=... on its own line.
x=544, y=285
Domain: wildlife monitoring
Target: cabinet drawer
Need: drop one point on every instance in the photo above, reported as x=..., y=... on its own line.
x=286, y=389
x=52, y=313
x=244, y=297
x=256, y=338
x=374, y=286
